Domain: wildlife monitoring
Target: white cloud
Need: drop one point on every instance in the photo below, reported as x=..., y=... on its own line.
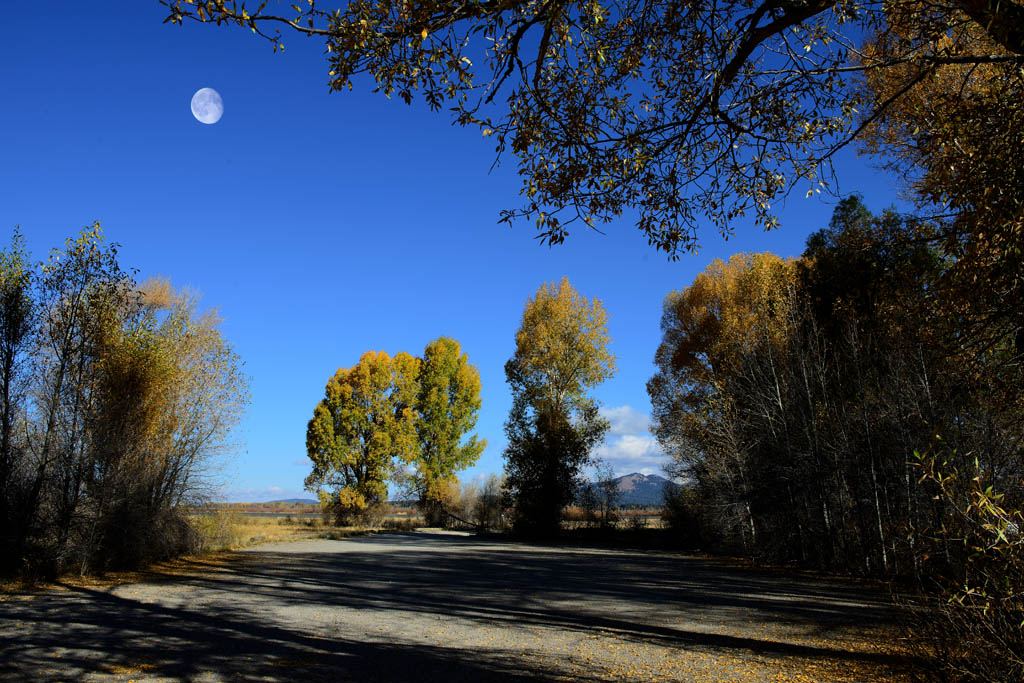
x=630, y=447
x=625, y=420
x=633, y=453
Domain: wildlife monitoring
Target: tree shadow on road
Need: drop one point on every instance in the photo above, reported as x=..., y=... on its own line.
x=109, y=634
x=674, y=601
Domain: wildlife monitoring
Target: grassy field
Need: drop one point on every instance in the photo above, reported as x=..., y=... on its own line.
x=228, y=528
x=240, y=525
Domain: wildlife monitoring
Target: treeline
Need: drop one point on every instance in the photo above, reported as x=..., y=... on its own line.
x=114, y=398
x=406, y=421
x=840, y=411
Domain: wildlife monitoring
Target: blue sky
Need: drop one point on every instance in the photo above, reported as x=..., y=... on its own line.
x=320, y=225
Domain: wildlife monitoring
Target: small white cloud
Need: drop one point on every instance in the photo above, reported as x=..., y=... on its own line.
x=625, y=420
x=301, y=462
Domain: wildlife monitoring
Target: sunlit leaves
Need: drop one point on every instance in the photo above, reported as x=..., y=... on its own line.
x=561, y=354
x=562, y=346
x=447, y=405
x=128, y=393
x=684, y=114
x=365, y=422
x=400, y=418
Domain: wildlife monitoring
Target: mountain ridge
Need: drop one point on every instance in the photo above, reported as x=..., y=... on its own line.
x=641, y=489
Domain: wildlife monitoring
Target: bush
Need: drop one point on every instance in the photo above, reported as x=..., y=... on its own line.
x=406, y=524
x=487, y=511
x=216, y=528
x=974, y=566
x=637, y=523
x=683, y=515
x=123, y=397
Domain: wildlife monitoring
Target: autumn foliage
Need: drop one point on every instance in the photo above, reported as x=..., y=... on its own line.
x=116, y=400
x=683, y=115
x=795, y=395
x=561, y=354
x=401, y=419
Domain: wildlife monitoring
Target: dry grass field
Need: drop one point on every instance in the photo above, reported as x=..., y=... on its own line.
x=231, y=528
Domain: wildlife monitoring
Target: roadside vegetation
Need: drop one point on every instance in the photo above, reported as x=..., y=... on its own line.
x=116, y=401
x=235, y=526
x=839, y=411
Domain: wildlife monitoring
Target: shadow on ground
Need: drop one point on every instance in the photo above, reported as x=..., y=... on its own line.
x=305, y=611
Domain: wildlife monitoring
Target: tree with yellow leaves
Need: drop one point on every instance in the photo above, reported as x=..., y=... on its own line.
x=447, y=404
x=167, y=389
x=561, y=353
x=734, y=311
x=401, y=418
x=366, y=421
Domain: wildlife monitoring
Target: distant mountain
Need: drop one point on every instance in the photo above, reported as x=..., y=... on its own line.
x=642, y=489
x=304, y=501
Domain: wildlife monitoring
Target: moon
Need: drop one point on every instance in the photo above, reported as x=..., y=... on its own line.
x=207, y=106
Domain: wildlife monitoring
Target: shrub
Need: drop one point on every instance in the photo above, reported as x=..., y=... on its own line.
x=974, y=566
x=682, y=513
x=215, y=528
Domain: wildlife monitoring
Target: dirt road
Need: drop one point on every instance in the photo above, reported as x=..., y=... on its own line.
x=450, y=607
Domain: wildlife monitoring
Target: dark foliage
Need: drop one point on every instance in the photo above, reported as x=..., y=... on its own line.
x=543, y=462
x=800, y=428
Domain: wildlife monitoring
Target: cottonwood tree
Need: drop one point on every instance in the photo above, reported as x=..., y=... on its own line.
x=76, y=288
x=402, y=419
x=561, y=354
x=447, y=404
x=363, y=425
x=732, y=312
x=675, y=111
x=954, y=137
x=171, y=389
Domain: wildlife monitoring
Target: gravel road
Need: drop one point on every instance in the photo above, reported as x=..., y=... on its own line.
x=437, y=606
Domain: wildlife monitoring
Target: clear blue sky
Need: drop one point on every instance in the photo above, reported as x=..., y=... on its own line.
x=320, y=225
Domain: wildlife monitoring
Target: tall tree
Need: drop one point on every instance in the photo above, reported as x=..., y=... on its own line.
x=169, y=391
x=734, y=311
x=561, y=354
x=447, y=404
x=675, y=110
x=794, y=394
x=365, y=422
x=80, y=287
x=16, y=321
